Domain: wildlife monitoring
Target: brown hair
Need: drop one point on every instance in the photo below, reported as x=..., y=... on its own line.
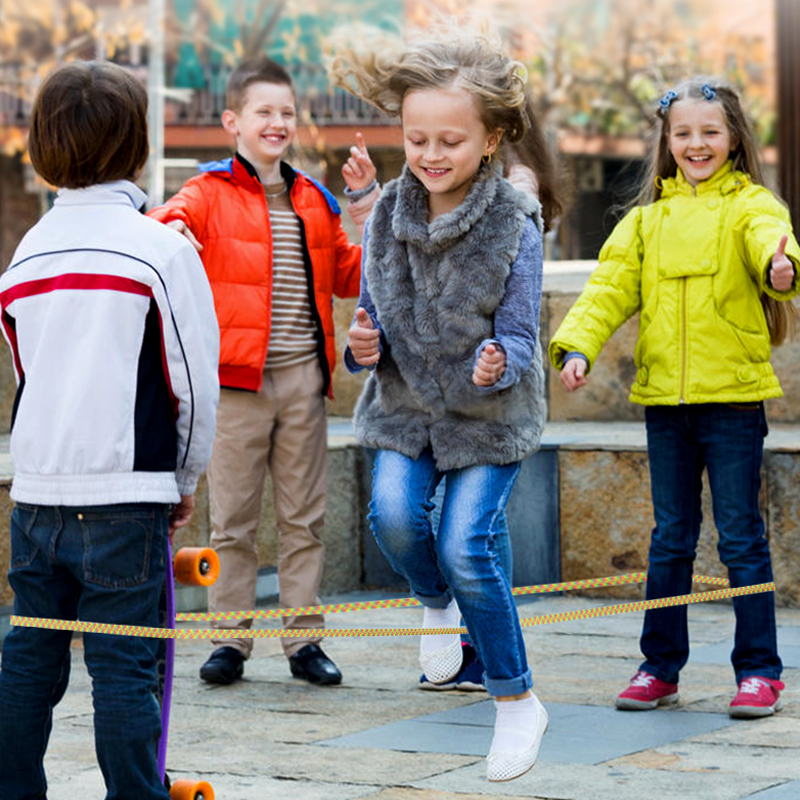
x=745, y=157
x=89, y=125
x=260, y=69
x=533, y=151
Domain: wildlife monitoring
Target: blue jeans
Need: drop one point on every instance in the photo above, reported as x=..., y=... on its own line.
x=99, y=564
x=501, y=541
x=459, y=560
x=728, y=441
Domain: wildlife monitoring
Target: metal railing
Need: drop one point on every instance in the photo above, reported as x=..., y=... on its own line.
x=318, y=102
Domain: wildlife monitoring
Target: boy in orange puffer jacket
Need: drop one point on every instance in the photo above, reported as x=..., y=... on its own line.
x=275, y=253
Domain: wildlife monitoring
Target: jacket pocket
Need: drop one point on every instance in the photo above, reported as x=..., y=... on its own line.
x=756, y=345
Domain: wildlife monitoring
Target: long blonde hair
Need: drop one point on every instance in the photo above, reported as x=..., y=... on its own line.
x=380, y=68
x=745, y=157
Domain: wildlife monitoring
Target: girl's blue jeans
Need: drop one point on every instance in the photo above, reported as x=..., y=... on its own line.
x=98, y=564
x=728, y=441
x=501, y=541
x=459, y=560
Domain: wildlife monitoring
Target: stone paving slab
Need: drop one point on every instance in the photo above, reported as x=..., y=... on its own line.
x=787, y=791
x=263, y=737
x=571, y=736
x=555, y=781
x=720, y=652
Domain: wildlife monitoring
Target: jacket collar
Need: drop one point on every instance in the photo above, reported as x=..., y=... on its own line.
x=410, y=219
x=241, y=167
x=114, y=192
x=724, y=181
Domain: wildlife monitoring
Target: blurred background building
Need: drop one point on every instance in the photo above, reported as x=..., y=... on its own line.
x=596, y=69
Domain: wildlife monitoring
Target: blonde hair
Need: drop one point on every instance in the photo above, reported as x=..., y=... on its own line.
x=381, y=69
x=745, y=157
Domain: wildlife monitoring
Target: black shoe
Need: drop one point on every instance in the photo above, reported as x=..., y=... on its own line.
x=225, y=665
x=312, y=665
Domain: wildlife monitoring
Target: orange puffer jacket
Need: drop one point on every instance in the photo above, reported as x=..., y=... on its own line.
x=226, y=209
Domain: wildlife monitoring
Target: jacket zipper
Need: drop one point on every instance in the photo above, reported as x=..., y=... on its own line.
x=684, y=346
x=683, y=340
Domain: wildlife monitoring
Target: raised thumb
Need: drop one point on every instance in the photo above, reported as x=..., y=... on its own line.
x=363, y=319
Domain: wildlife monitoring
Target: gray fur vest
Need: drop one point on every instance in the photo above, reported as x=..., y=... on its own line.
x=436, y=288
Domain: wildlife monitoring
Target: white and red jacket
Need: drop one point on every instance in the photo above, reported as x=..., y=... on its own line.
x=111, y=322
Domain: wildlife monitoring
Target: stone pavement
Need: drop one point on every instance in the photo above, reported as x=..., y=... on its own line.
x=377, y=737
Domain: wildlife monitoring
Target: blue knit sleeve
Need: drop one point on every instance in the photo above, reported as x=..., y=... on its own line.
x=516, y=321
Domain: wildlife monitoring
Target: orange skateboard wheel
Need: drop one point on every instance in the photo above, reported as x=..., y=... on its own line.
x=196, y=566
x=184, y=789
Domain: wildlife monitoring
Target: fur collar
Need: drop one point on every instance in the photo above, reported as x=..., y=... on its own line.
x=410, y=220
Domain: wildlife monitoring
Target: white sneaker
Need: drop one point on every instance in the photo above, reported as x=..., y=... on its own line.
x=505, y=765
x=443, y=663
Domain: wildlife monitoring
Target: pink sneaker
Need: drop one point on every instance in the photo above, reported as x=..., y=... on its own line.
x=645, y=691
x=757, y=697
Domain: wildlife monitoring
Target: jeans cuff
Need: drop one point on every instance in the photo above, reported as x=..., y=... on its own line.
x=506, y=687
x=657, y=673
x=440, y=601
x=771, y=673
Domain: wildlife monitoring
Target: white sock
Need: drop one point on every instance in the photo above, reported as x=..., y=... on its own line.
x=449, y=617
x=515, y=725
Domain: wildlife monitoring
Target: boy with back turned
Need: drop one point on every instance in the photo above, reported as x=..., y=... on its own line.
x=114, y=340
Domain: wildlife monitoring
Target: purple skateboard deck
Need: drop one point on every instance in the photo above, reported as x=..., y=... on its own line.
x=166, y=665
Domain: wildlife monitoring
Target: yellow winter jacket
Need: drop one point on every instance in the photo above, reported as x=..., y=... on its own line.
x=694, y=264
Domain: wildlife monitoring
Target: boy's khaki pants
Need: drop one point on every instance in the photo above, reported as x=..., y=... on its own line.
x=282, y=428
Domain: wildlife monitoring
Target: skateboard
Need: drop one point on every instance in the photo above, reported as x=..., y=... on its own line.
x=192, y=566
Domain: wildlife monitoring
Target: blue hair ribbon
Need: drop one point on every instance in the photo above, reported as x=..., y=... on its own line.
x=667, y=99
x=709, y=92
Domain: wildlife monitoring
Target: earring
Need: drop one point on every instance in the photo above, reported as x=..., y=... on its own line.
x=486, y=159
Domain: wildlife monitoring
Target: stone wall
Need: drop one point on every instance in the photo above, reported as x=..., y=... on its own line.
x=607, y=516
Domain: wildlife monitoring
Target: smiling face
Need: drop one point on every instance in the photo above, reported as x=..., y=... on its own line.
x=699, y=138
x=444, y=140
x=264, y=127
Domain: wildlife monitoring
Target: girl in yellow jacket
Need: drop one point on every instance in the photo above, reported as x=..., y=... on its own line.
x=705, y=263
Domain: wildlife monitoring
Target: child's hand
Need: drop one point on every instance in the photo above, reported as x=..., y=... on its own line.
x=359, y=171
x=490, y=366
x=572, y=374
x=781, y=274
x=182, y=228
x=363, y=339
x=181, y=514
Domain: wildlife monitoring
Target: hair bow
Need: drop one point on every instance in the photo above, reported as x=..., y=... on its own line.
x=709, y=92
x=665, y=101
